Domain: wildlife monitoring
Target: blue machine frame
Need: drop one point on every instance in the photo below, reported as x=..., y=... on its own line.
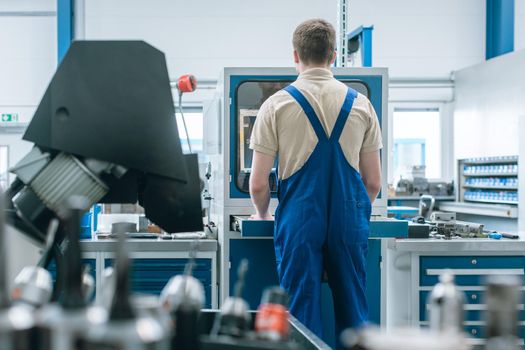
x=373, y=83
x=364, y=35
x=499, y=28
x=65, y=26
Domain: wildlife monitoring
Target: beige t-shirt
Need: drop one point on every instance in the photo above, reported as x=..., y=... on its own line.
x=282, y=128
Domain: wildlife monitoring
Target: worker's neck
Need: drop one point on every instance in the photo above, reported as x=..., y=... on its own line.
x=301, y=67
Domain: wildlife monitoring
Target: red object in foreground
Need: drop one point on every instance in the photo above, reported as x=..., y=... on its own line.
x=272, y=321
x=187, y=83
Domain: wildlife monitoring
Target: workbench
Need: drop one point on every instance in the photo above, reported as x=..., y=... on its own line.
x=414, y=265
x=155, y=261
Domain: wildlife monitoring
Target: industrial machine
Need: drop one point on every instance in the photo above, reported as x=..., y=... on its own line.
x=229, y=119
x=105, y=130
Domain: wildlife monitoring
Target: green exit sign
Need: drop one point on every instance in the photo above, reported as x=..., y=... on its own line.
x=9, y=117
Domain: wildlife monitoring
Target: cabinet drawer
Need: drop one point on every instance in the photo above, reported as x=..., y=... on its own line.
x=149, y=276
x=471, y=297
x=473, y=312
x=469, y=270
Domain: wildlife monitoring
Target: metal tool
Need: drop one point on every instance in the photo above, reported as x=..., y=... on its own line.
x=502, y=299
x=16, y=321
x=88, y=284
x=34, y=285
x=234, y=319
x=446, y=305
x=426, y=205
x=126, y=328
x=107, y=289
x=183, y=297
x=59, y=324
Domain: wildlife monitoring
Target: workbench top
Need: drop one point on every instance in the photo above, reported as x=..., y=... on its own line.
x=458, y=245
x=147, y=245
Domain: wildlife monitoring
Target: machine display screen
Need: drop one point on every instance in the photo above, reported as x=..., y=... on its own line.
x=250, y=96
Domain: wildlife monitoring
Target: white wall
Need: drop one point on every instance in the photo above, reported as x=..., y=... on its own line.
x=415, y=38
x=27, y=61
x=201, y=37
x=489, y=102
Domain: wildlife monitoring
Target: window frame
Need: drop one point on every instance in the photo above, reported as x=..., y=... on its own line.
x=187, y=109
x=445, y=110
x=8, y=165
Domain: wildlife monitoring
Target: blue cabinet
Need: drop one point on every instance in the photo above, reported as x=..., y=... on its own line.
x=262, y=270
x=471, y=272
x=262, y=273
x=149, y=276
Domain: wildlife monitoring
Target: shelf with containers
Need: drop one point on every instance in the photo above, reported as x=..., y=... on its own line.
x=491, y=180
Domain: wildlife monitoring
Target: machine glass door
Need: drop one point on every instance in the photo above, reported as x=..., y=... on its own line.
x=250, y=95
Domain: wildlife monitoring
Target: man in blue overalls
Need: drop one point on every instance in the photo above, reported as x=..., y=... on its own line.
x=327, y=139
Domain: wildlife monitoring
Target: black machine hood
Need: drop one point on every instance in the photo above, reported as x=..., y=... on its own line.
x=112, y=101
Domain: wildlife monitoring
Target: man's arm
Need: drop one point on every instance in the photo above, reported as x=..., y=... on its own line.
x=260, y=186
x=370, y=168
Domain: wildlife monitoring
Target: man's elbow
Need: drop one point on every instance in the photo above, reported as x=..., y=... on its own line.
x=373, y=185
x=257, y=187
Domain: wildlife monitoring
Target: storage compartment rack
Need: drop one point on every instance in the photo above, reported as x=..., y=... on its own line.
x=492, y=180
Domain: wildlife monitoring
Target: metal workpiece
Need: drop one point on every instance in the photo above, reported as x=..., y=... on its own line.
x=127, y=327
x=502, y=299
x=446, y=305
x=182, y=289
x=33, y=285
x=59, y=328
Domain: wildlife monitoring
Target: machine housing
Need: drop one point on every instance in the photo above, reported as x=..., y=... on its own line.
x=227, y=119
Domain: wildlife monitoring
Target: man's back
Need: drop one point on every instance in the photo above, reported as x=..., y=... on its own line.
x=322, y=132
x=283, y=130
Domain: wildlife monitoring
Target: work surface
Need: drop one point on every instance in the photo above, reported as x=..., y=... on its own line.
x=144, y=245
x=458, y=245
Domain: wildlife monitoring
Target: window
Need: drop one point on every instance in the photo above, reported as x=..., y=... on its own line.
x=417, y=142
x=4, y=166
x=194, y=123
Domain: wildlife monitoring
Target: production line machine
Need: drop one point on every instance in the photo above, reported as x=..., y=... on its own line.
x=229, y=120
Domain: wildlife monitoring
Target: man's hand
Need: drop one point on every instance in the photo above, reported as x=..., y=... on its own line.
x=259, y=184
x=266, y=216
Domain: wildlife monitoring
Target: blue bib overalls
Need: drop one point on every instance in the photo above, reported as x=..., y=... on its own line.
x=322, y=221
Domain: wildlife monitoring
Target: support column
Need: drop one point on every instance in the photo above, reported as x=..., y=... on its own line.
x=64, y=27
x=500, y=28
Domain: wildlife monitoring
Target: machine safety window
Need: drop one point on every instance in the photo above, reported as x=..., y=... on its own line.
x=250, y=97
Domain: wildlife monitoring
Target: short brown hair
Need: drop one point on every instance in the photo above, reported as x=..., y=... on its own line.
x=314, y=41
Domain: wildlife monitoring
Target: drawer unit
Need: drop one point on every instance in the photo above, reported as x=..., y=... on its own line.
x=469, y=270
x=149, y=276
x=470, y=274
x=474, y=306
